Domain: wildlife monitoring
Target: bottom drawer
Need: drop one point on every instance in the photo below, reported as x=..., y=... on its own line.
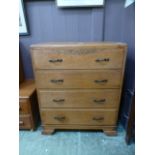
x=79, y=116
x=25, y=122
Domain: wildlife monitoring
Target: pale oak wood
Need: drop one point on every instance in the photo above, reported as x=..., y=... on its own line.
x=88, y=45
x=78, y=78
x=48, y=131
x=75, y=59
x=77, y=62
x=89, y=98
x=108, y=130
x=79, y=116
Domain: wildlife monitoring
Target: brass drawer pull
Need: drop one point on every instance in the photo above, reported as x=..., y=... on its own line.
x=59, y=118
x=101, y=81
x=57, y=81
x=55, y=60
x=102, y=60
x=58, y=100
x=100, y=101
x=98, y=118
x=21, y=123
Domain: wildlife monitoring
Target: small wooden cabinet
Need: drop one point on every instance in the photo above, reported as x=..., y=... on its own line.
x=79, y=84
x=28, y=106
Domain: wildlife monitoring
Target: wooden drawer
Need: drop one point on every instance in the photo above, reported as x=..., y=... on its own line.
x=104, y=98
x=75, y=116
x=24, y=106
x=78, y=58
x=25, y=122
x=78, y=79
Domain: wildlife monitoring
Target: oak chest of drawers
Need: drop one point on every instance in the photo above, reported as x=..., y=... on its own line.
x=79, y=84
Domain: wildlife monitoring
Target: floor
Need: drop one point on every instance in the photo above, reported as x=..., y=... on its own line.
x=74, y=143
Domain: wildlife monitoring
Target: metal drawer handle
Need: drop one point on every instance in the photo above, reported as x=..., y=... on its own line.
x=101, y=81
x=100, y=101
x=55, y=60
x=58, y=100
x=21, y=123
x=59, y=118
x=98, y=118
x=57, y=81
x=102, y=60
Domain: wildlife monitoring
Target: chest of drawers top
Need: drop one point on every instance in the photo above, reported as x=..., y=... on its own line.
x=78, y=55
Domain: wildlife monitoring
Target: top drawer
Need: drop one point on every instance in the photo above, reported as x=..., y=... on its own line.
x=91, y=58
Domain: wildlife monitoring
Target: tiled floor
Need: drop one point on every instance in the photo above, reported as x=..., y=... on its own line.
x=74, y=143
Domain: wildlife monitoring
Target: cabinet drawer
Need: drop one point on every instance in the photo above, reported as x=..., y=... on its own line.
x=75, y=116
x=105, y=98
x=78, y=79
x=23, y=106
x=78, y=58
x=25, y=122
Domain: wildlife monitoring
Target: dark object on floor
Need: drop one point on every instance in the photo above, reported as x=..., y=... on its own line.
x=28, y=105
x=130, y=131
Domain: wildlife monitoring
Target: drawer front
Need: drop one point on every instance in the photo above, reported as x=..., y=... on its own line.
x=25, y=122
x=75, y=116
x=78, y=79
x=95, y=98
x=78, y=58
x=23, y=106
